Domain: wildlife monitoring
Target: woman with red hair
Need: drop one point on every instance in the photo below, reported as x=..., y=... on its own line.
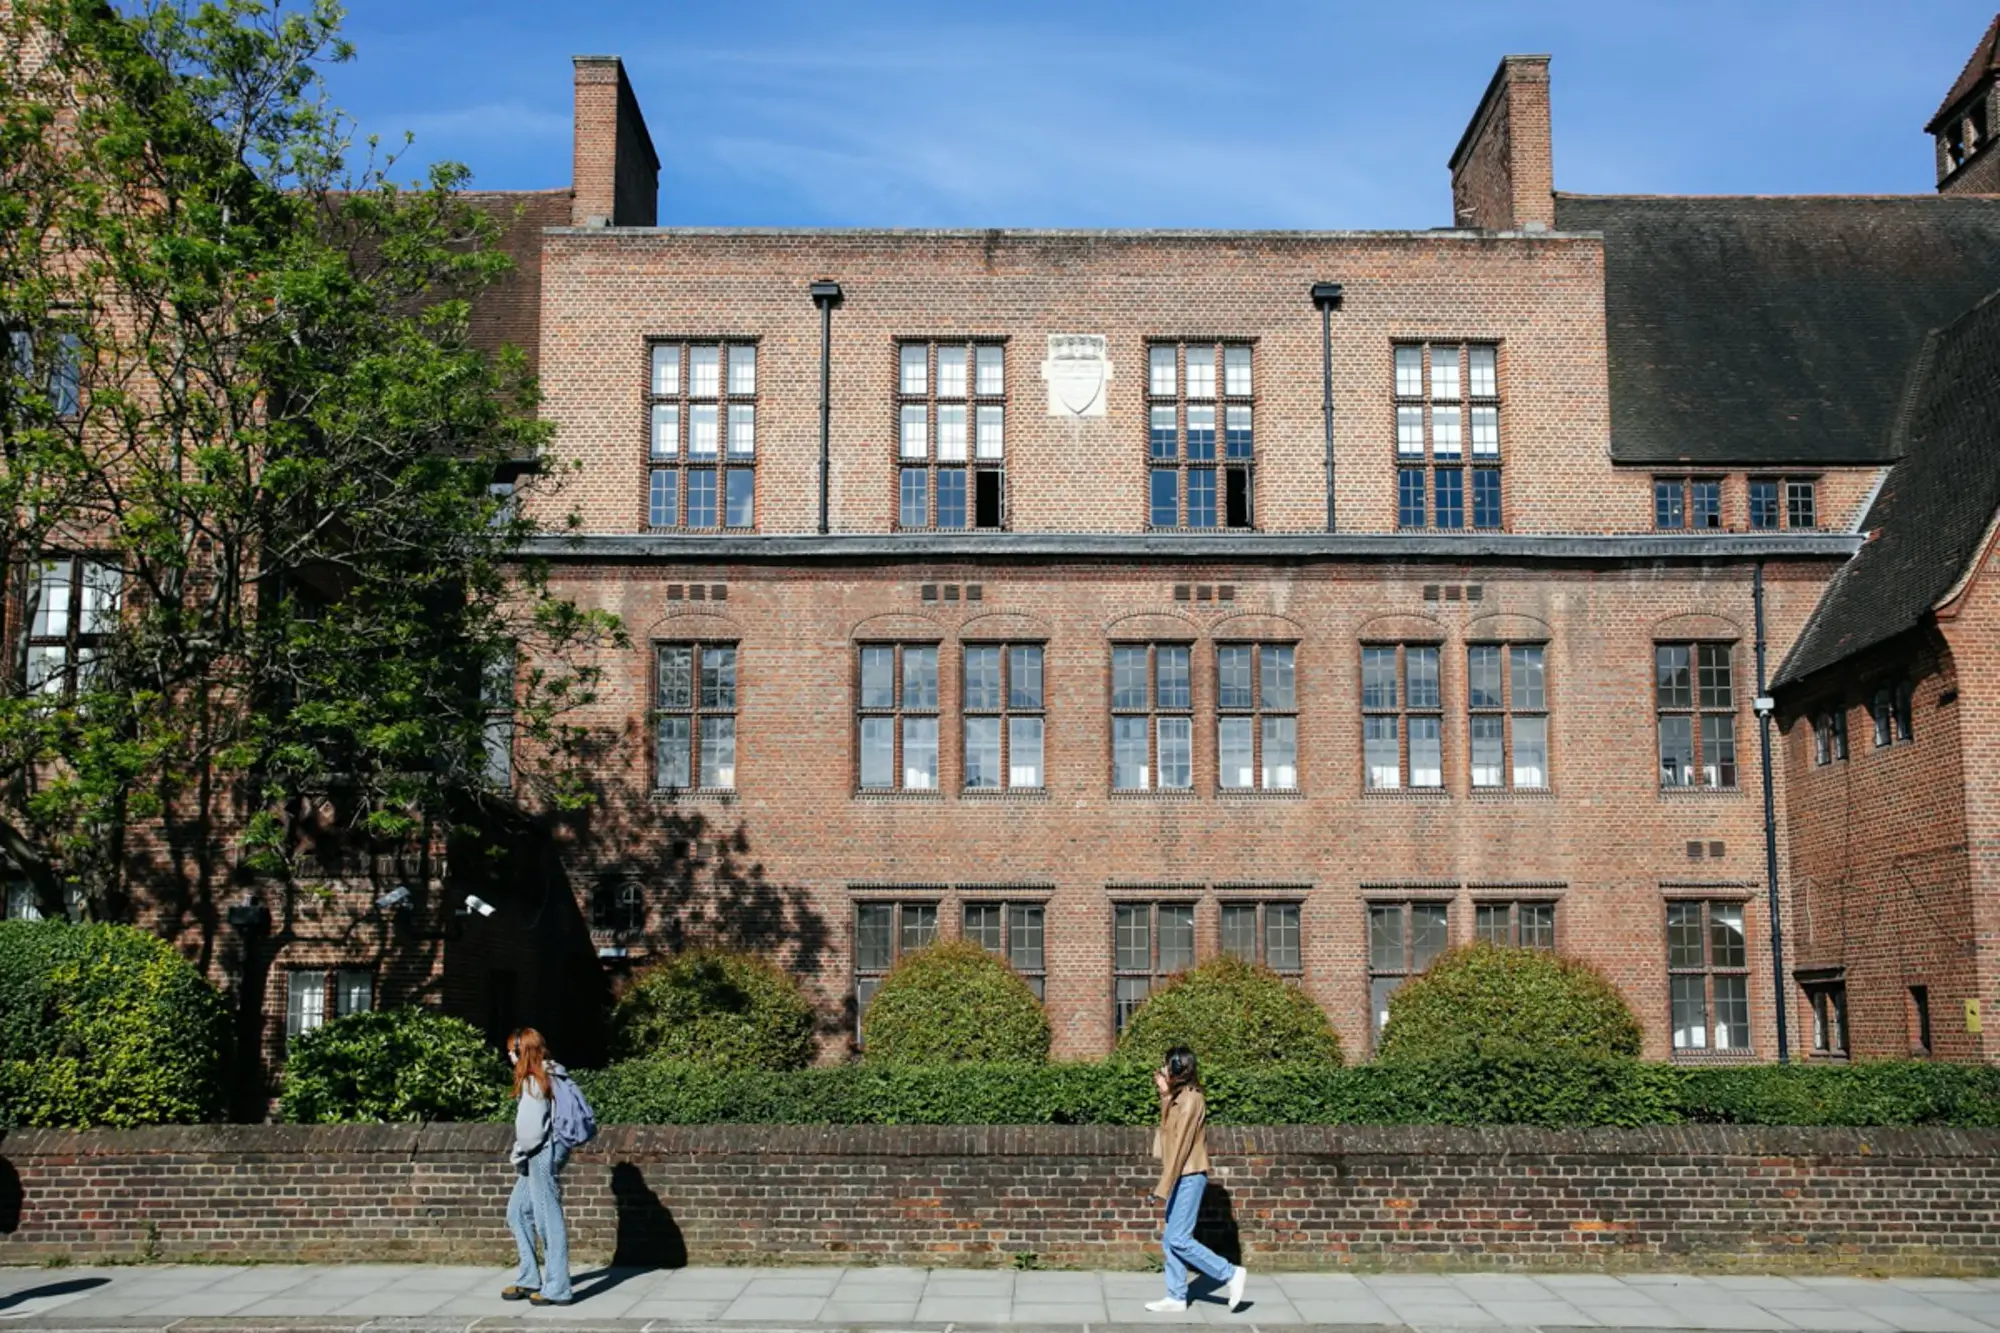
x=534, y=1211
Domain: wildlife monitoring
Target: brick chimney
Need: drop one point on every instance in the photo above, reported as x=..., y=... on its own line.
x=616, y=175
x=1502, y=172
x=1966, y=125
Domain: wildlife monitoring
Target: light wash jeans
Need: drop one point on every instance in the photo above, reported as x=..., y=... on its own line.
x=1182, y=1249
x=535, y=1210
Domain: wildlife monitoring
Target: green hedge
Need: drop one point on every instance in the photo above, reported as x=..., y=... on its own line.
x=953, y=1003
x=735, y=1010
x=1503, y=1089
x=1231, y=1013
x=1483, y=998
x=393, y=1066
x=105, y=1025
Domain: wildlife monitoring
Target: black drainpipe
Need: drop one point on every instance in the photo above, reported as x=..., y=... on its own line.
x=825, y=295
x=1326, y=295
x=1765, y=707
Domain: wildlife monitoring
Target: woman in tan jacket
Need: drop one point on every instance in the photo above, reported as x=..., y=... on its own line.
x=1182, y=1147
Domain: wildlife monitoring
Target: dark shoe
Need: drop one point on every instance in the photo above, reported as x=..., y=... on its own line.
x=536, y=1298
x=518, y=1293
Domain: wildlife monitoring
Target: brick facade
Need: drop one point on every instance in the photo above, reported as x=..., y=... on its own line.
x=1710, y=1197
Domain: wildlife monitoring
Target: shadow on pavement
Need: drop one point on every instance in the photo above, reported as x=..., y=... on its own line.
x=67, y=1288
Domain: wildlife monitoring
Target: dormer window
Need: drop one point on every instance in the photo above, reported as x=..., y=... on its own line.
x=1954, y=144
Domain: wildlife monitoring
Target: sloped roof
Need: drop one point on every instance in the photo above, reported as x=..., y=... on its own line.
x=1776, y=331
x=1935, y=507
x=510, y=310
x=1985, y=60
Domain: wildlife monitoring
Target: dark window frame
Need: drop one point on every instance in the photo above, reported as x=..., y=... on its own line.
x=1775, y=503
x=1154, y=711
x=1830, y=735
x=335, y=989
x=1011, y=921
x=900, y=712
x=1511, y=711
x=1157, y=969
x=1827, y=1002
x=697, y=711
x=1475, y=472
x=1266, y=916
x=726, y=463
x=972, y=468
x=1891, y=705
x=1922, y=1035
x=1402, y=711
x=1232, y=476
x=1728, y=772
x=1715, y=978
x=1386, y=974
x=1005, y=713
x=1675, y=502
x=77, y=646
x=1516, y=923
x=1257, y=712
x=907, y=932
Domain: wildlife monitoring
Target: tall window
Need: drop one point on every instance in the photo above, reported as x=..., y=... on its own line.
x=71, y=620
x=1003, y=716
x=1708, y=970
x=1152, y=941
x=694, y=706
x=60, y=379
x=1891, y=708
x=1783, y=502
x=1200, y=436
x=1403, y=939
x=1828, y=1002
x=1402, y=723
x=1015, y=932
x=884, y=932
x=1696, y=701
x=496, y=698
x=1507, y=694
x=1687, y=502
x=1257, y=724
x=703, y=446
x=1266, y=933
x=899, y=717
x=1515, y=925
x=951, y=435
x=1830, y=736
x=1447, y=436
x=1152, y=717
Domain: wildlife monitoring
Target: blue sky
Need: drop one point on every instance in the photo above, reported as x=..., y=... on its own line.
x=1232, y=114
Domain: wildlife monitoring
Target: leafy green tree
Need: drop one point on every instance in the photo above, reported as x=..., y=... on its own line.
x=394, y=1066
x=1484, y=999
x=953, y=1002
x=241, y=387
x=1231, y=1013
x=714, y=1006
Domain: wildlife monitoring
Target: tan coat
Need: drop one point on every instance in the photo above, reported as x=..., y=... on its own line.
x=1181, y=1142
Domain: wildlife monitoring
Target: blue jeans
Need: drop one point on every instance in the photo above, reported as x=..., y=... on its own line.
x=1182, y=1249
x=535, y=1210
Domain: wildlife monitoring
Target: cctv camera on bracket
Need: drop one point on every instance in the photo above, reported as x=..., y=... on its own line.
x=474, y=903
x=395, y=900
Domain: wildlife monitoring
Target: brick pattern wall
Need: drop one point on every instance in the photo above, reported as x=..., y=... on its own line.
x=1297, y=1197
x=1506, y=178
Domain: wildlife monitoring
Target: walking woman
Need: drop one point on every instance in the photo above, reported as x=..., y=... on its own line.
x=535, y=1209
x=1182, y=1147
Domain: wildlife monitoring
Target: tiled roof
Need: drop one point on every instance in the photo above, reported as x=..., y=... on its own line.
x=1934, y=509
x=510, y=311
x=1776, y=331
x=1985, y=60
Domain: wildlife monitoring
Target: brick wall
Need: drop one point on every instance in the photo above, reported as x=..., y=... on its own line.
x=1398, y=1197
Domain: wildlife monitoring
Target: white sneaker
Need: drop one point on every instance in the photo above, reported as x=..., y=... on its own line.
x=1166, y=1305
x=1233, y=1293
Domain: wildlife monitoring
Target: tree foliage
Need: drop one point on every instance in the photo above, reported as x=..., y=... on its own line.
x=951, y=1002
x=393, y=1066
x=716, y=1007
x=1229, y=1012
x=1481, y=997
x=243, y=381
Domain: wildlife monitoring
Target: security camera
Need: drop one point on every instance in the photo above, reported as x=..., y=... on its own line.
x=475, y=903
x=394, y=898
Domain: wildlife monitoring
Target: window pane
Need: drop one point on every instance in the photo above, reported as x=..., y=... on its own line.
x=1163, y=431
x=878, y=677
x=1201, y=495
x=1176, y=937
x=878, y=751
x=305, y=1002
x=1280, y=678
x=1410, y=432
x=1763, y=504
x=1239, y=931
x=1281, y=937
x=1236, y=751
x=102, y=586
x=743, y=369
x=914, y=373
x=663, y=498
x=354, y=992
x=718, y=753
x=920, y=753
x=1676, y=752
x=670, y=753
x=1668, y=511
x=1426, y=752
x=1718, y=750
x=1160, y=364
x=992, y=441
x=920, y=677
x=1531, y=752
x=1674, y=687
x=951, y=510
x=984, y=926
x=741, y=497
x=982, y=679
x=1538, y=925
x=1200, y=434
x=1024, y=677
x=913, y=510
x=1281, y=753
x=676, y=677
x=1483, y=362
x=1716, y=690
x=1131, y=993
x=1176, y=753
x=1024, y=752
x=718, y=678
x=704, y=371
x=982, y=752
x=1128, y=753
x=666, y=368
x=874, y=937
x=1725, y=936
x=1134, y=937
x=1409, y=372
x=1379, y=991
x=1384, y=763
x=1489, y=750
x=1238, y=439
x=1201, y=370
x=1410, y=508
x=1233, y=678
x=1378, y=677
x=1529, y=694
x=951, y=434
x=1025, y=937
x=1430, y=933
x=701, y=498
x=919, y=925
x=1800, y=511
x=1705, y=504
x=666, y=430
x=1172, y=663
x=1446, y=440
x=1385, y=938
x=914, y=440
x=1482, y=676
x=1449, y=511
x=1166, y=498
x=1128, y=677
x=1422, y=689
x=951, y=372
x=1444, y=372
x=990, y=369
x=1485, y=498
x=1684, y=944
x=1236, y=371
x=45, y=669
x=1690, y=1013
x=742, y=429
x=1491, y=925
x=1732, y=1013
x=52, y=601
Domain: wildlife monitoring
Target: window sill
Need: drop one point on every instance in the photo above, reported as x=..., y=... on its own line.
x=1156, y=794
x=1512, y=793
x=1828, y=1057
x=1744, y=1056
x=668, y=795
x=1005, y=795
x=1418, y=794
x=894, y=797
x=1697, y=793
x=1255, y=794
x=1219, y=530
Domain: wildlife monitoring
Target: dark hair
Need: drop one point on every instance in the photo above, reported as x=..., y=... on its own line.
x=1181, y=1071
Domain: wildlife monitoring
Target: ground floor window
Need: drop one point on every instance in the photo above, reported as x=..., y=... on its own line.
x=1266, y=933
x=1708, y=972
x=884, y=932
x=1403, y=939
x=312, y=995
x=1151, y=942
x=1515, y=925
x=1015, y=932
x=1828, y=1002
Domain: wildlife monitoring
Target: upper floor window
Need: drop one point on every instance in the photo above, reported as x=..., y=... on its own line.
x=1447, y=435
x=1694, y=695
x=1783, y=503
x=703, y=444
x=898, y=707
x=1830, y=736
x=1507, y=694
x=1515, y=925
x=951, y=435
x=1003, y=716
x=56, y=373
x=1015, y=932
x=1687, y=502
x=1402, y=722
x=1152, y=717
x=1891, y=709
x=1266, y=933
x=72, y=615
x=1257, y=725
x=1150, y=943
x=1200, y=435
x=884, y=932
x=694, y=708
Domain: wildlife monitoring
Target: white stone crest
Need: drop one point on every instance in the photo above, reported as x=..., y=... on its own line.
x=1077, y=372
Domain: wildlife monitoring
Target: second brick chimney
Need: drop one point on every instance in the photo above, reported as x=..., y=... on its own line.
x=1502, y=173
x=616, y=174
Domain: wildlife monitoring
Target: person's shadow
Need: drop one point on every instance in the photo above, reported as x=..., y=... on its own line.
x=68, y=1287
x=648, y=1236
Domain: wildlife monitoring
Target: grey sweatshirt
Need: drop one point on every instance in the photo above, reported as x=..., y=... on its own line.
x=535, y=1116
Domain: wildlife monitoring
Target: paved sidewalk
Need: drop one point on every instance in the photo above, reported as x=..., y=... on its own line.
x=420, y=1298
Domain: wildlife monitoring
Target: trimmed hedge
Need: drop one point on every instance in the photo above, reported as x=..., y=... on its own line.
x=393, y=1066
x=105, y=1025
x=1483, y=998
x=1514, y=1089
x=1231, y=1013
x=950, y=1003
x=735, y=1010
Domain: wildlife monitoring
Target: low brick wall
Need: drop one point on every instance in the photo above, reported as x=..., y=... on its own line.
x=1399, y=1197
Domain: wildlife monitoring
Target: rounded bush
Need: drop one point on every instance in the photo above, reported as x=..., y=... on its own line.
x=1231, y=1013
x=1482, y=998
x=951, y=1003
x=734, y=1010
x=105, y=1025
x=393, y=1065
